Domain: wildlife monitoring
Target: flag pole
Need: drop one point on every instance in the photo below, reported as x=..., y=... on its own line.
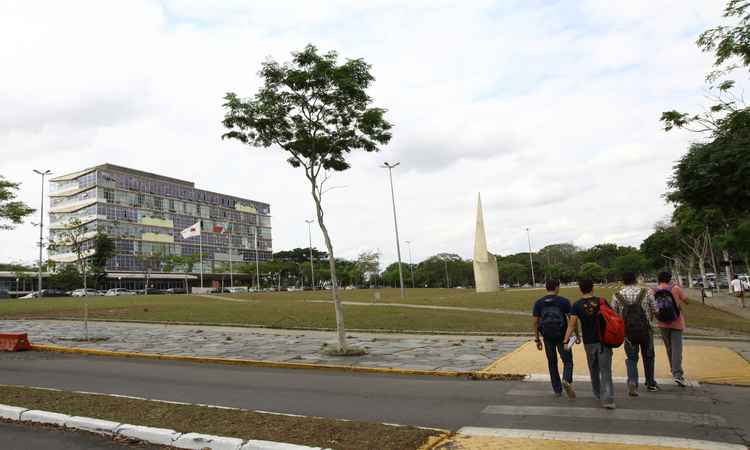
x=257, y=263
x=200, y=247
x=231, y=274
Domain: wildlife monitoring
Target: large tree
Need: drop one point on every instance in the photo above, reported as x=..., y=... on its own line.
x=12, y=212
x=316, y=110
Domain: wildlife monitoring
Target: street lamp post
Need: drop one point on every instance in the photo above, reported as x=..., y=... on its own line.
x=312, y=266
x=531, y=259
x=390, y=168
x=41, y=228
x=411, y=264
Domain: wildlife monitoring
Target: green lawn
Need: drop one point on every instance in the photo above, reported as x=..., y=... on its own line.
x=290, y=309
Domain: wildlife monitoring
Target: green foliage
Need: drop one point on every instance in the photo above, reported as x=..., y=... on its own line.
x=68, y=278
x=593, y=271
x=300, y=255
x=513, y=273
x=104, y=249
x=313, y=108
x=663, y=243
x=632, y=262
x=12, y=212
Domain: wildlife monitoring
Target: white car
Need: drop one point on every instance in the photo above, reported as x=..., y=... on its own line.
x=118, y=291
x=84, y=292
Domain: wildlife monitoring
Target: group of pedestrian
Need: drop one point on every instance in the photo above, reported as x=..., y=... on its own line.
x=630, y=319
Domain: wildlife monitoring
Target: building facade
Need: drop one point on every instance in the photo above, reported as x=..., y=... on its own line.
x=144, y=214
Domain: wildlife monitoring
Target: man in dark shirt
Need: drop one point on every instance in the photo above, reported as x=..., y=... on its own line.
x=551, y=320
x=598, y=355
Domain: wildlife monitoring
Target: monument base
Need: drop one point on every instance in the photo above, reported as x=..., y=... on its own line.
x=486, y=277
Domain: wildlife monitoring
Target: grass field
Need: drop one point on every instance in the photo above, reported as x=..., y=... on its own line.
x=292, y=309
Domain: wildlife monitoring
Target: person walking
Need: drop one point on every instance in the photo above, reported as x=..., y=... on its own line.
x=670, y=301
x=637, y=308
x=599, y=356
x=550, y=319
x=739, y=291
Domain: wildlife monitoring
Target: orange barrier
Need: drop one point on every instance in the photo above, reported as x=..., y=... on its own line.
x=14, y=342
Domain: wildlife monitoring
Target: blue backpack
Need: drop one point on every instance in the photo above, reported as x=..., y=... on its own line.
x=552, y=323
x=666, y=306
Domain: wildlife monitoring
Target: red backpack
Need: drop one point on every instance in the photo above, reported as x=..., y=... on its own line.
x=610, y=326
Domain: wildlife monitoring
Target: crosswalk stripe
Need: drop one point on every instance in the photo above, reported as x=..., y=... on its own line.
x=587, y=394
x=604, y=438
x=664, y=381
x=644, y=415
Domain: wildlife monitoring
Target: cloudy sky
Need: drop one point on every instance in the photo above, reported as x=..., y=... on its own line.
x=549, y=108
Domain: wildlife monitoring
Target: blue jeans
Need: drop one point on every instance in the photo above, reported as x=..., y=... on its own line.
x=647, y=352
x=552, y=348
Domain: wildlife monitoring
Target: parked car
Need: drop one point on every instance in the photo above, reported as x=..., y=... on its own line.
x=175, y=291
x=118, y=291
x=46, y=293
x=84, y=292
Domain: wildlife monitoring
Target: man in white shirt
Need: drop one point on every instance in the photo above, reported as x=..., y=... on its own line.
x=739, y=291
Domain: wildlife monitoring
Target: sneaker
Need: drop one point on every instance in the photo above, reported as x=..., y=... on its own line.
x=569, y=391
x=632, y=390
x=653, y=388
x=680, y=382
x=609, y=405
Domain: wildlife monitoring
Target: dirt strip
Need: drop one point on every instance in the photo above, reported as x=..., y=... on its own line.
x=311, y=431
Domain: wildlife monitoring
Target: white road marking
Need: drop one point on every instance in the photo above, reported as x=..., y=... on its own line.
x=645, y=415
x=588, y=394
x=663, y=381
x=629, y=439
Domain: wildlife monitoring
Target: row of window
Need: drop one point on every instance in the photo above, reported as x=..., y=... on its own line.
x=81, y=182
x=167, y=189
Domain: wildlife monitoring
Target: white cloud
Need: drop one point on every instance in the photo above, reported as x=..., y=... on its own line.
x=550, y=109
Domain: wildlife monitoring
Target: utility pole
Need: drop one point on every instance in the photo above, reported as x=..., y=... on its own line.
x=257, y=261
x=411, y=264
x=312, y=266
x=447, y=280
x=41, y=230
x=531, y=259
x=390, y=168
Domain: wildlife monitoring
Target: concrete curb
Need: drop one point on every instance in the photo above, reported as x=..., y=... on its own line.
x=159, y=436
x=474, y=375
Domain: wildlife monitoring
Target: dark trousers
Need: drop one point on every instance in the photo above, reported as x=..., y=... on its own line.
x=647, y=353
x=552, y=348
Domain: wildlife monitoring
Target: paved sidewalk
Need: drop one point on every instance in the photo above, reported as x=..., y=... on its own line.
x=418, y=352
x=709, y=362
x=724, y=302
x=513, y=312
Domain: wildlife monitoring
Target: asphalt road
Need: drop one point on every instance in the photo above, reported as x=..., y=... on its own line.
x=716, y=413
x=26, y=437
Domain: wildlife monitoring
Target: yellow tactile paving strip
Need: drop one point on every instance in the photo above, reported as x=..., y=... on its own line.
x=501, y=443
x=704, y=363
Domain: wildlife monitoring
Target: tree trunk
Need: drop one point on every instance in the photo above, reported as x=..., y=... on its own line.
x=691, y=266
x=340, y=332
x=727, y=271
x=702, y=267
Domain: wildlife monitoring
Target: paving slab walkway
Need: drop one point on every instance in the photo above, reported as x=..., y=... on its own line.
x=513, y=312
x=399, y=351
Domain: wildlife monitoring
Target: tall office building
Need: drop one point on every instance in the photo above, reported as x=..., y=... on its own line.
x=144, y=214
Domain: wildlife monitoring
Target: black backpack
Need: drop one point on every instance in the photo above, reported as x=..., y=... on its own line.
x=552, y=323
x=637, y=327
x=666, y=306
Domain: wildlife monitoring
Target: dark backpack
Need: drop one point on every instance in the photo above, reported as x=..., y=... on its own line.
x=552, y=323
x=637, y=326
x=666, y=306
x=610, y=327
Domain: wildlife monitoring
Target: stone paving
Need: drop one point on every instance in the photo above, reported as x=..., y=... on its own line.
x=403, y=351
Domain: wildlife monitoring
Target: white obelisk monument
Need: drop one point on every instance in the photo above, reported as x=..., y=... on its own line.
x=485, y=264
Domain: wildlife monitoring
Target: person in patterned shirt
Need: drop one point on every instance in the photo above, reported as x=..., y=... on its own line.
x=636, y=304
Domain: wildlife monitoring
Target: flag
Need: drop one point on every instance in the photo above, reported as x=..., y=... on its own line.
x=193, y=230
x=217, y=228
